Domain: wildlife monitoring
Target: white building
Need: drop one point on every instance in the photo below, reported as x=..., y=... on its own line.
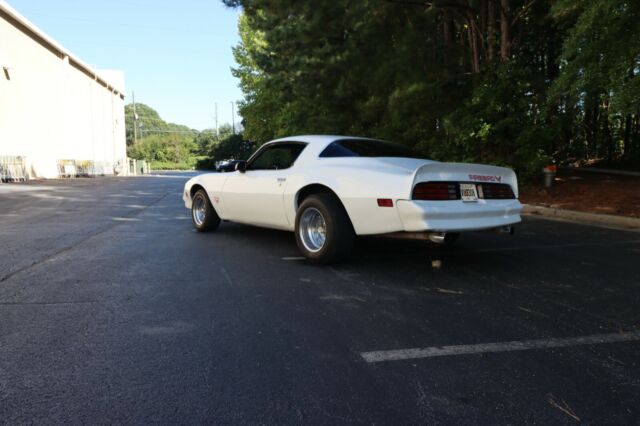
x=58, y=116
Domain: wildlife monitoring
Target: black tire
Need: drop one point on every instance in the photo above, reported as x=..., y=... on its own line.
x=338, y=231
x=203, y=215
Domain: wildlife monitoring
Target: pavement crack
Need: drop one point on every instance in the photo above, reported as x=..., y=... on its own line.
x=563, y=406
x=226, y=276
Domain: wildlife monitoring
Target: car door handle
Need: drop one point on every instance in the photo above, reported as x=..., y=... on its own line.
x=282, y=179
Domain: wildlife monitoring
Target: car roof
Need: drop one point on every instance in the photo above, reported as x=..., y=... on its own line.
x=315, y=145
x=317, y=139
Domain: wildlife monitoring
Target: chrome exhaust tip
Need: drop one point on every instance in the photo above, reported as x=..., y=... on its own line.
x=437, y=237
x=506, y=230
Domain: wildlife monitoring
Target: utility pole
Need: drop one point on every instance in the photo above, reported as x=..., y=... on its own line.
x=216, y=117
x=233, y=117
x=135, y=118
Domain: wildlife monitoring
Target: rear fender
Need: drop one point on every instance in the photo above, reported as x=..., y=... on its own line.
x=358, y=191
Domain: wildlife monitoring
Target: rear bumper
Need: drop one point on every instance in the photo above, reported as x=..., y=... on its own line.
x=456, y=215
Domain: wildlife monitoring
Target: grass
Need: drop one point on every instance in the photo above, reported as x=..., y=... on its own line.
x=167, y=165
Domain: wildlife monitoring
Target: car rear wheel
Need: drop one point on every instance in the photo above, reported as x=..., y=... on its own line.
x=324, y=233
x=203, y=214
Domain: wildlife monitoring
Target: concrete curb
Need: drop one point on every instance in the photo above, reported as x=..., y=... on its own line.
x=605, y=171
x=624, y=222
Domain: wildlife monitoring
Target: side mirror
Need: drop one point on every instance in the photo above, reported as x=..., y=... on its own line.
x=241, y=166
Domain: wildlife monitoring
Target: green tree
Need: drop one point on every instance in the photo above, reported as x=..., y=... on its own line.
x=598, y=88
x=149, y=123
x=225, y=131
x=232, y=147
x=165, y=145
x=208, y=139
x=205, y=140
x=512, y=82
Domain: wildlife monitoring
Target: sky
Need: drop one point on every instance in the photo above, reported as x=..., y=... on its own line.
x=176, y=55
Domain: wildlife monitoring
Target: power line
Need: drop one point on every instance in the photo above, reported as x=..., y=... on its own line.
x=177, y=131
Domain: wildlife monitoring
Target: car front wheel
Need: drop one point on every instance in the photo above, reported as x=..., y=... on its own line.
x=324, y=233
x=203, y=214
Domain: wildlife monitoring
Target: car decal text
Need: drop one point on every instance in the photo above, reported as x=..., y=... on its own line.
x=486, y=178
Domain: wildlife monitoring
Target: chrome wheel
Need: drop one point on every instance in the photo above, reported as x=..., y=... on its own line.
x=312, y=229
x=199, y=210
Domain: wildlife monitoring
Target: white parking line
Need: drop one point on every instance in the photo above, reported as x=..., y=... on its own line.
x=522, y=345
x=293, y=258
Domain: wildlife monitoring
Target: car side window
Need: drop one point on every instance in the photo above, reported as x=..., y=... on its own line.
x=277, y=157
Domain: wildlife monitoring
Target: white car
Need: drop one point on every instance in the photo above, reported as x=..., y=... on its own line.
x=329, y=189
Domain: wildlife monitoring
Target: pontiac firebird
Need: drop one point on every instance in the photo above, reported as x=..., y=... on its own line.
x=330, y=189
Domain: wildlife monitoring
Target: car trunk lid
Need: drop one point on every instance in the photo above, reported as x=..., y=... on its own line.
x=463, y=173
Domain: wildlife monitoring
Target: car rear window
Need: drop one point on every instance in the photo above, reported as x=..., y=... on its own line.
x=366, y=148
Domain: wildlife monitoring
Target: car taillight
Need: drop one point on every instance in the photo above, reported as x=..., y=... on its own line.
x=436, y=191
x=496, y=191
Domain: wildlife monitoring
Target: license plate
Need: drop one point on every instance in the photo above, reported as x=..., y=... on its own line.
x=468, y=192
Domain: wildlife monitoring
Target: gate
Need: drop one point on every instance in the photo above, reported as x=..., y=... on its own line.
x=13, y=169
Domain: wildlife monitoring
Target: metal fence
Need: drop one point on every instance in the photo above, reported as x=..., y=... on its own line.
x=67, y=169
x=13, y=169
x=83, y=168
x=139, y=167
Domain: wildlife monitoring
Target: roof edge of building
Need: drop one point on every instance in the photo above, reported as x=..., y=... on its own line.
x=54, y=45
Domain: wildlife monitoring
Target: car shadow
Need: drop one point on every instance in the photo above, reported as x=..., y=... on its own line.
x=372, y=250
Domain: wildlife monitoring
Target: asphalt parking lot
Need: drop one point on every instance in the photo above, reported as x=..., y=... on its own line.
x=113, y=310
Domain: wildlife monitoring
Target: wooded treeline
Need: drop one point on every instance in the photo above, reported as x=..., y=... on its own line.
x=519, y=82
x=169, y=146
